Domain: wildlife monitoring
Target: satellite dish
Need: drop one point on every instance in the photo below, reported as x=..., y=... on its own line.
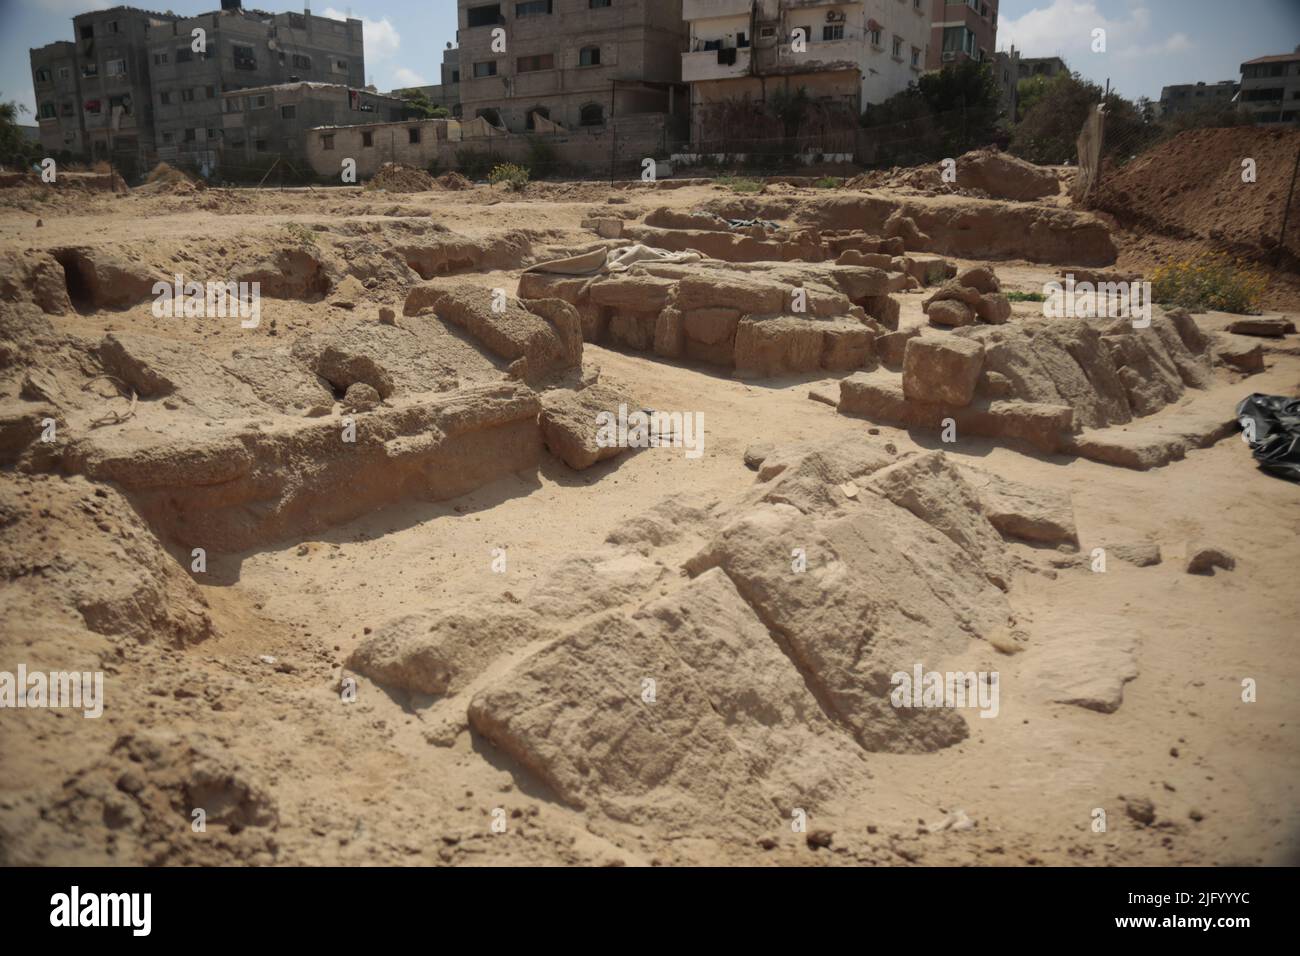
x=271, y=44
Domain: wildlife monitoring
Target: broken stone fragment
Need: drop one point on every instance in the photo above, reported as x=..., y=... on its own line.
x=1203, y=559
x=942, y=369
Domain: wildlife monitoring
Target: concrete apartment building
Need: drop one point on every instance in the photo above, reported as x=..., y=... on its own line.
x=962, y=30
x=1048, y=66
x=92, y=94
x=576, y=63
x=847, y=54
x=1006, y=70
x=1270, y=88
x=263, y=120
x=133, y=82
x=243, y=49
x=1193, y=97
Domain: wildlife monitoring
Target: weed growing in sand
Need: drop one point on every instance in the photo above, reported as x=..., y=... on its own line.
x=1026, y=296
x=514, y=177
x=300, y=234
x=827, y=182
x=738, y=184
x=1209, y=282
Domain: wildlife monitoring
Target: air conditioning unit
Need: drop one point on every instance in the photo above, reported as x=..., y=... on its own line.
x=835, y=16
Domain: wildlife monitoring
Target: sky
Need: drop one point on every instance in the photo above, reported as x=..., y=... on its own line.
x=1149, y=43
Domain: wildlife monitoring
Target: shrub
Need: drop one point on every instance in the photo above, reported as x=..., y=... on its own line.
x=1209, y=281
x=514, y=177
x=827, y=182
x=1026, y=297
x=738, y=184
x=543, y=160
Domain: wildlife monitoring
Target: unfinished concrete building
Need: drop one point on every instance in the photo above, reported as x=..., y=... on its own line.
x=962, y=30
x=138, y=86
x=240, y=49
x=267, y=121
x=1270, y=88
x=576, y=63
x=1194, y=97
x=843, y=54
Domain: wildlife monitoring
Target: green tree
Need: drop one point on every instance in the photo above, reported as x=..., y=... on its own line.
x=944, y=113
x=1050, y=127
x=16, y=149
x=417, y=106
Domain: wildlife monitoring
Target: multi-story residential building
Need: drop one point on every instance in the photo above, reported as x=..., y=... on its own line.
x=572, y=62
x=1048, y=66
x=1193, y=97
x=1006, y=70
x=844, y=54
x=137, y=86
x=1270, y=88
x=240, y=49
x=962, y=30
x=264, y=120
x=58, y=98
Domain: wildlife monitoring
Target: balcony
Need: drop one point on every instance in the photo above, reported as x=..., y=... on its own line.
x=709, y=9
x=709, y=65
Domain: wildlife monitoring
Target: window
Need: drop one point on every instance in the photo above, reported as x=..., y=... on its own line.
x=413, y=135
x=916, y=57
x=535, y=112
x=875, y=37
x=531, y=64
x=599, y=4
x=112, y=26
x=532, y=8
x=90, y=69
x=65, y=72
x=593, y=114
x=486, y=68
x=67, y=109
x=327, y=141
x=213, y=132
x=288, y=112
x=491, y=114
x=43, y=76
x=898, y=48
x=184, y=55
x=115, y=67
x=88, y=32
x=455, y=76
x=589, y=56
x=488, y=15
x=244, y=57
x=367, y=139
x=191, y=135
x=165, y=98
x=47, y=111
x=339, y=66
x=92, y=107
x=257, y=102
x=159, y=59
x=187, y=95
x=122, y=102
x=302, y=62
x=766, y=33
x=833, y=31
x=168, y=136
x=209, y=92
x=234, y=104
x=260, y=145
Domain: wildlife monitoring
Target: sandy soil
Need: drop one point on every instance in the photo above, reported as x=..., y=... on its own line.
x=376, y=782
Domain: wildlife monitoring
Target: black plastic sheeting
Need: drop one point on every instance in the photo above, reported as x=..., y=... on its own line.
x=1271, y=424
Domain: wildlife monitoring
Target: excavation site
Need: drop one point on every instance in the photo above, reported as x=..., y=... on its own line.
x=428, y=522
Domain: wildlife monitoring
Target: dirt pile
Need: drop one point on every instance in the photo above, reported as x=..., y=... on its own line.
x=1191, y=187
x=982, y=173
x=400, y=178
x=454, y=181
x=168, y=180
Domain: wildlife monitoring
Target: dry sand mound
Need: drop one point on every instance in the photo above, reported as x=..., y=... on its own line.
x=454, y=181
x=1191, y=187
x=400, y=178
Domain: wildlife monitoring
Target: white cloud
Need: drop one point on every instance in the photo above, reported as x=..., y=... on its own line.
x=1064, y=28
x=381, y=38
x=403, y=77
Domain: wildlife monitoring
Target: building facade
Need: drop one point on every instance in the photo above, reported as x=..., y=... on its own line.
x=1194, y=97
x=574, y=63
x=137, y=87
x=1270, y=88
x=1048, y=66
x=843, y=55
x=262, y=121
x=1006, y=70
x=962, y=30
